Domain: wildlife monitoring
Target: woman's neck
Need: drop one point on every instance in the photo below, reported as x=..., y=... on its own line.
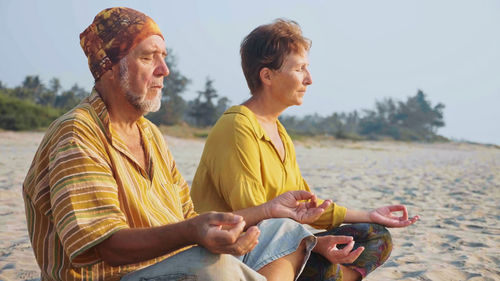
x=266, y=110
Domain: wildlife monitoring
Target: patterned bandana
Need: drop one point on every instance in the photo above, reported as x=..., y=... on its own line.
x=111, y=36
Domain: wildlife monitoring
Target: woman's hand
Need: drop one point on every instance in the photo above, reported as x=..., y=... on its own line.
x=384, y=216
x=300, y=205
x=327, y=247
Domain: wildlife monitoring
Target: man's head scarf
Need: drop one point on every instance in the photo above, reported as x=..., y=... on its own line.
x=111, y=36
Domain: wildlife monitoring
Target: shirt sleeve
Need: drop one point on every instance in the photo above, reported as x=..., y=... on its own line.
x=234, y=162
x=178, y=180
x=183, y=189
x=332, y=217
x=83, y=195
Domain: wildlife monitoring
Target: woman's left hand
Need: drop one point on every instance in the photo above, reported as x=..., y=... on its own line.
x=291, y=205
x=384, y=216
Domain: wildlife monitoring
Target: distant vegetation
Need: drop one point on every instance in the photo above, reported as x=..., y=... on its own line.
x=34, y=105
x=413, y=120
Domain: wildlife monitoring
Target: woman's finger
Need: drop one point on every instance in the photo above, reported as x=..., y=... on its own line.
x=397, y=208
x=353, y=256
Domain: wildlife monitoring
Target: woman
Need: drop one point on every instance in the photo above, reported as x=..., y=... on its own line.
x=249, y=159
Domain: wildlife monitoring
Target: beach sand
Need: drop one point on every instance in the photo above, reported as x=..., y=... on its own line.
x=454, y=187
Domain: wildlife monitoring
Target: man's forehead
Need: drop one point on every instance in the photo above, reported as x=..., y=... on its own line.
x=152, y=44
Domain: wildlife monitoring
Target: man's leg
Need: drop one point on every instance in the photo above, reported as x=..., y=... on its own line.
x=196, y=264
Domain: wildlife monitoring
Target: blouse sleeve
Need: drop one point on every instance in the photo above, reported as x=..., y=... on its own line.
x=234, y=163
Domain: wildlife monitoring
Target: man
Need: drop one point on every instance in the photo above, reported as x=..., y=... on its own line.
x=105, y=201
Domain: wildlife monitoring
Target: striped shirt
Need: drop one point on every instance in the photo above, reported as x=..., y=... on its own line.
x=84, y=185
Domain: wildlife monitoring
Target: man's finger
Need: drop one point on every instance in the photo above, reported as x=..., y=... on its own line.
x=236, y=230
x=217, y=218
x=246, y=242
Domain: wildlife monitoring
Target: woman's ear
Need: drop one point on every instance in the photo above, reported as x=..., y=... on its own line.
x=266, y=75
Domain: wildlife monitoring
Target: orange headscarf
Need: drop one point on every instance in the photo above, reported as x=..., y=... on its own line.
x=112, y=34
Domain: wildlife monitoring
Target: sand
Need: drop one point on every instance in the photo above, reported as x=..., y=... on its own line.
x=454, y=187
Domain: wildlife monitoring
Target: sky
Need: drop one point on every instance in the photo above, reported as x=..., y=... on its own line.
x=362, y=51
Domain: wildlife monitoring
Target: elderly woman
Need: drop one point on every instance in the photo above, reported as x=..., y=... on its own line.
x=249, y=159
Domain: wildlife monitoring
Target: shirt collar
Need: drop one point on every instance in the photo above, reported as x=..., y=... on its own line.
x=101, y=110
x=245, y=111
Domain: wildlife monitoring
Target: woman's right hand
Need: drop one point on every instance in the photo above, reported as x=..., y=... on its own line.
x=327, y=247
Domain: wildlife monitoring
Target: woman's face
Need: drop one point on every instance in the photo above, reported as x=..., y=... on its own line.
x=289, y=83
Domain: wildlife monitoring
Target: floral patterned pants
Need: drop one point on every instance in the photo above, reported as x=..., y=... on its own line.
x=378, y=246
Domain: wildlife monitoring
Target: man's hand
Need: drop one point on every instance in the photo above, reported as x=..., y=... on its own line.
x=326, y=247
x=289, y=205
x=221, y=233
x=384, y=216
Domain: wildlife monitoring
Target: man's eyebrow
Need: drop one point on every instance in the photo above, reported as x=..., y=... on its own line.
x=154, y=51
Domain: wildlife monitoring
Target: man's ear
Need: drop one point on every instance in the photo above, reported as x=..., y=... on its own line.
x=266, y=75
x=114, y=72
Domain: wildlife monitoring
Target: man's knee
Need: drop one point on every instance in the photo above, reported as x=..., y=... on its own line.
x=226, y=267
x=199, y=264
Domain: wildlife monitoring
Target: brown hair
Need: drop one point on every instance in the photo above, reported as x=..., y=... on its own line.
x=267, y=46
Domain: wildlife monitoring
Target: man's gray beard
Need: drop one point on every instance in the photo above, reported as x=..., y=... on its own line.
x=138, y=102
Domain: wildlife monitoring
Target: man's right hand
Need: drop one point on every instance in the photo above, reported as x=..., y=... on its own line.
x=222, y=233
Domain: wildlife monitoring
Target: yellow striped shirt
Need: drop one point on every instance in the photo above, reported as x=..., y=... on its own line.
x=240, y=168
x=84, y=185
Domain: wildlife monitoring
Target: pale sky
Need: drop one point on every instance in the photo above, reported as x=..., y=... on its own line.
x=362, y=51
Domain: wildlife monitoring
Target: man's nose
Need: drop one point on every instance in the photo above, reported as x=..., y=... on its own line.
x=162, y=69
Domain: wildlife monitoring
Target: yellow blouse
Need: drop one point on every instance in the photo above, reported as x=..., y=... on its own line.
x=241, y=168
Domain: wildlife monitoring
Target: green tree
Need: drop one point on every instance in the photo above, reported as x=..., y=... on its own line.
x=30, y=89
x=17, y=114
x=70, y=98
x=48, y=96
x=418, y=118
x=415, y=119
x=222, y=105
x=202, y=109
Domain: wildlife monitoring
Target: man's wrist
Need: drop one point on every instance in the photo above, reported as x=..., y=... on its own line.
x=191, y=231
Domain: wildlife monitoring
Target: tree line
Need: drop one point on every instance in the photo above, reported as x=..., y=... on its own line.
x=415, y=119
x=34, y=105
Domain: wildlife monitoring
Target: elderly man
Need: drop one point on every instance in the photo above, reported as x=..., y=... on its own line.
x=105, y=201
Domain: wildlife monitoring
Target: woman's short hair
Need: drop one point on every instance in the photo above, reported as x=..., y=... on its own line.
x=267, y=46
